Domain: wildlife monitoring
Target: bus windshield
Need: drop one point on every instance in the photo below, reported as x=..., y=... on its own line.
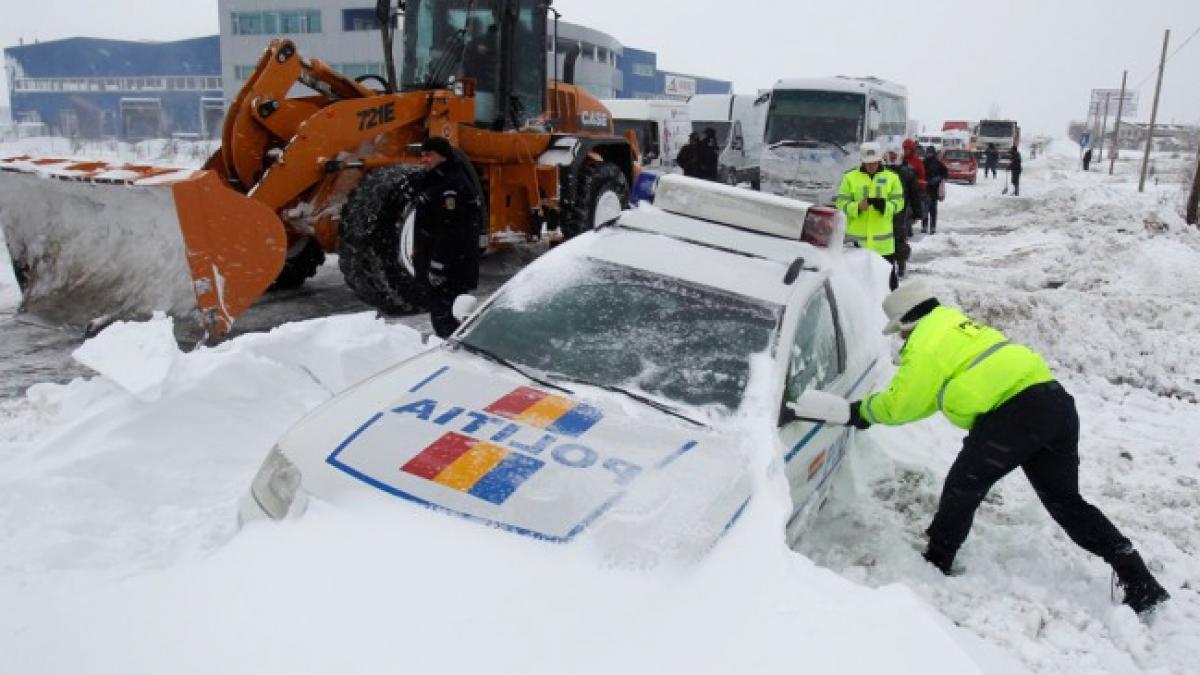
x=997, y=129
x=827, y=116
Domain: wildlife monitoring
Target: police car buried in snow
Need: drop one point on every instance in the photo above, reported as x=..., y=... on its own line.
x=619, y=386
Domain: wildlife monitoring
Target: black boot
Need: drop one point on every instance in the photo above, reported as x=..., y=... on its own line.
x=1142, y=592
x=939, y=556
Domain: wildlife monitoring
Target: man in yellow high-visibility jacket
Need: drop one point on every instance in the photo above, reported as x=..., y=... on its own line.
x=1016, y=415
x=870, y=197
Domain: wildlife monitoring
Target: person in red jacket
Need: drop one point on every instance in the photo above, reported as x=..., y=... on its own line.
x=914, y=160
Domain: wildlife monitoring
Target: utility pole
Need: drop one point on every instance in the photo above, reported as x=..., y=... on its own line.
x=1103, y=128
x=1193, y=203
x=1116, y=146
x=1154, y=112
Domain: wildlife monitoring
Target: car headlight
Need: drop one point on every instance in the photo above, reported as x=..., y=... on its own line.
x=276, y=484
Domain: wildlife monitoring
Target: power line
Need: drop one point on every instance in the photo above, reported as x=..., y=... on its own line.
x=1169, y=57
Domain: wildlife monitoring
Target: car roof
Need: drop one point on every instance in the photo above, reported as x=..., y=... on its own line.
x=721, y=256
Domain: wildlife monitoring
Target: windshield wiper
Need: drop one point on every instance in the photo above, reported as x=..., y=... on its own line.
x=795, y=143
x=496, y=358
x=645, y=400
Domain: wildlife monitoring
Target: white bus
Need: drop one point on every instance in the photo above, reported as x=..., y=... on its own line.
x=661, y=127
x=815, y=126
x=739, y=120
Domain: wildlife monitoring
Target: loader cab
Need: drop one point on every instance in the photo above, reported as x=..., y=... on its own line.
x=498, y=43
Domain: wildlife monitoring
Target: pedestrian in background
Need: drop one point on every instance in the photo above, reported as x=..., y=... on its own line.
x=1015, y=414
x=870, y=196
x=446, y=232
x=708, y=155
x=912, y=157
x=991, y=160
x=1014, y=169
x=903, y=220
x=689, y=156
x=1087, y=159
x=936, y=174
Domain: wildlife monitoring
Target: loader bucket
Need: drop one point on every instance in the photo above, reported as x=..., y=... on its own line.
x=92, y=242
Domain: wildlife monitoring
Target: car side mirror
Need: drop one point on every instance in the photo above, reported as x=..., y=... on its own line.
x=874, y=119
x=816, y=406
x=464, y=306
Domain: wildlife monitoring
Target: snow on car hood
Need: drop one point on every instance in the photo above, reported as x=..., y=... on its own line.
x=452, y=432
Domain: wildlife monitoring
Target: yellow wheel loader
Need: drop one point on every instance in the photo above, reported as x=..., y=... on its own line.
x=331, y=171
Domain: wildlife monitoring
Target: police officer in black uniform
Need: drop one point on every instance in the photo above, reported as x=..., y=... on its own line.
x=446, y=245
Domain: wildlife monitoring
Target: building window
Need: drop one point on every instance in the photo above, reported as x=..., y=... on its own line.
x=644, y=69
x=270, y=23
x=362, y=19
x=353, y=70
x=242, y=73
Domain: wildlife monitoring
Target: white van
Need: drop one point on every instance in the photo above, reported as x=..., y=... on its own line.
x=935, y=141
x=739, y=120
x=662, y=127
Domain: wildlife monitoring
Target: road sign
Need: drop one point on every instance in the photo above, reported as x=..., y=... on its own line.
x=1096, y=107
x=1085, y=139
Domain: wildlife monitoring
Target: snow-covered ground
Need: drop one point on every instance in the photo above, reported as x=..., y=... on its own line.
x=121, y=552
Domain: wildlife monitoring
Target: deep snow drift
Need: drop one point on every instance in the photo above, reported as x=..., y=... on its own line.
x=122, y=555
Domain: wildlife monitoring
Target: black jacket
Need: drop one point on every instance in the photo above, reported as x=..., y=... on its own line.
x=708, y=157
x=1014, y=160
x=991, y=157
x=935, y=173
x=448, y=226
x=908, y=179
x=688, y=158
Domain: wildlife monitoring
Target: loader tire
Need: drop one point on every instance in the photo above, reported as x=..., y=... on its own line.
x=601, y=194
x=375, y=241
x=300, y=267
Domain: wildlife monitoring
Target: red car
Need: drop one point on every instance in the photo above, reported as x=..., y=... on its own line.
x=961, y=164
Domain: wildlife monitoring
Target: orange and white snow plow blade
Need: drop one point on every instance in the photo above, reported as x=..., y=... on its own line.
x=90, y=241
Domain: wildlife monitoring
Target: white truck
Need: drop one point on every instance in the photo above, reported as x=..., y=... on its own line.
x=815, y=127
x=661, y=127
x=739, y=121
x=1004, y=134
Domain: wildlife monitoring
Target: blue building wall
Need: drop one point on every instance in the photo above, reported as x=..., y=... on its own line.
x=94, y=88
x=643, y=79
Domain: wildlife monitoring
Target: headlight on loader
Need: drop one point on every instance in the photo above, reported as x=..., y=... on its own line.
x=275, y=487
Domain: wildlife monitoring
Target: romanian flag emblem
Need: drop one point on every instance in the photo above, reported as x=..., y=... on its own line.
x=555, y=414
x=483, y=470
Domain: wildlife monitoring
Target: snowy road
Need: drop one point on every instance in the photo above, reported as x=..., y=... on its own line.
x=118, y=495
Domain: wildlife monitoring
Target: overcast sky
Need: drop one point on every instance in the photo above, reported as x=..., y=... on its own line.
x=1037, y=65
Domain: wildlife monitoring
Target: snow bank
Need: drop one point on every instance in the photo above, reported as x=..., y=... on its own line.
x=10, y=293
x=117, y=500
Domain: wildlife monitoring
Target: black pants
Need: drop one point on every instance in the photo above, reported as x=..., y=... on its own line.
x=441, y=304
x=931, y=207
x=1016, y=181
x=1086, y=162
x=986, y=169
x=1037, y=430
x=893, y=277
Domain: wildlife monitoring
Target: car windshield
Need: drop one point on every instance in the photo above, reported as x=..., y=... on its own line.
x=612, y=325
x=830, y=116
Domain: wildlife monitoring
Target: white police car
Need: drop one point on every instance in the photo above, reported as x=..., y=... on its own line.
x=607, y=388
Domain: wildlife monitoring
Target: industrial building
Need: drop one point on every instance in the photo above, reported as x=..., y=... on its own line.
x=93, y=88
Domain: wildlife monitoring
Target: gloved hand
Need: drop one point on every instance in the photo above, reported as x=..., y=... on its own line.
x=879, y=203
x=856, y=419
x=436, y=279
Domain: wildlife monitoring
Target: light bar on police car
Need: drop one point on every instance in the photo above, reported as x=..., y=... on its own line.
x=750, y=210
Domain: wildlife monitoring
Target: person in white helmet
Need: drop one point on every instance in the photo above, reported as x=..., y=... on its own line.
x=870, y=197
x=1015, y=414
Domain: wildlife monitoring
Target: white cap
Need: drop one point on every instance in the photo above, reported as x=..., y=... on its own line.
x=902, y=301
x=870, y=152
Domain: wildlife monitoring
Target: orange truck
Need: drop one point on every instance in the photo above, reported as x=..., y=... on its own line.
x=330, y=172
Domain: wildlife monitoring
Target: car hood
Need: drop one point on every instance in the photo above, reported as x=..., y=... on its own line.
x=450, y=431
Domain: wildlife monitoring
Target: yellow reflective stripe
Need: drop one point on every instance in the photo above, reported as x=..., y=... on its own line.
x=941, y=396
x=866, y=407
